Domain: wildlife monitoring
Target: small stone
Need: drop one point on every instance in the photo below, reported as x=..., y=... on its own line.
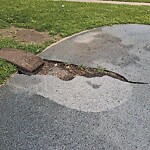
x=55, y=65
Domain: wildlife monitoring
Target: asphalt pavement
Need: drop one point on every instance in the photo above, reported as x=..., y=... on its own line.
x=42, y=112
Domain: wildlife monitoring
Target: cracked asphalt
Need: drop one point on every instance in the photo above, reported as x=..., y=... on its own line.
x=42, y=112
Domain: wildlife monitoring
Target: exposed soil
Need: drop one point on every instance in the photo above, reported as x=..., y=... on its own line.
x=27, y=36
x=69, y=71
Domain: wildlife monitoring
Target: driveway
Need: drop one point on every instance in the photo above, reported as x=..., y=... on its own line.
x=43, y=112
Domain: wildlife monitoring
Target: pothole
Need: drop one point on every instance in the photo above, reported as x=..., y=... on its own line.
x=30, y=64
x=67, y=71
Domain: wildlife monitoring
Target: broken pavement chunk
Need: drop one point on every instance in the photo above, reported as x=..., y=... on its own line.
x=25, y=61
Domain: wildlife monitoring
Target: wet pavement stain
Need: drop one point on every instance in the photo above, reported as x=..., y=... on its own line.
x=94, y=86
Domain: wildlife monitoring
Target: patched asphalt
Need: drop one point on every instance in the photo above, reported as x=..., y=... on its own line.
x=44, y=112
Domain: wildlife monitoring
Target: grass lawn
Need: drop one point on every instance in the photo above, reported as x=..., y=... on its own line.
x=63, y=18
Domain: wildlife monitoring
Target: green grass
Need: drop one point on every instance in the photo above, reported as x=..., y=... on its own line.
x=74, y=17
x=47, y=15
x=142, y=1
x=6, y=69
x=33, y=48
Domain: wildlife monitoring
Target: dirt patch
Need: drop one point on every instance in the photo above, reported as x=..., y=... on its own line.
x=67, y=72
x=27, y=36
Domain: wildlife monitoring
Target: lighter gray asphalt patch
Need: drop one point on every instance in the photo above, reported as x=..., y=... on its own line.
x=31, y=122
x=78, y=93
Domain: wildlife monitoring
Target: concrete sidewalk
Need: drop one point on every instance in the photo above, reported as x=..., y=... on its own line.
x=111, y=2
x=43, y=112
